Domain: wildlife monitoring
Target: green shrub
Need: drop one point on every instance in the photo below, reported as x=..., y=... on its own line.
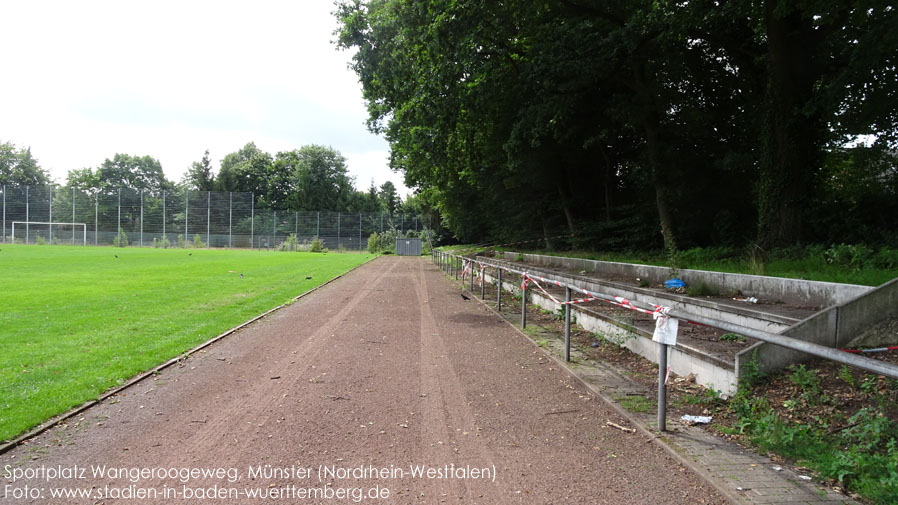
x=41, y=240
x=120, y=240
x=198, y=241
x=316, y=245
x=374, y=243
x=291, y=243
x=161, y=242
x=181, y=242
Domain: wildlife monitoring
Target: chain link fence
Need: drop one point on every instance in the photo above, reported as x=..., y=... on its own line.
x=61, y=215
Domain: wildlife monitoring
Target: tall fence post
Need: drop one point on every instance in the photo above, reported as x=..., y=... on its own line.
x=141, y=218
x=96, y=217
x=208, y=218
x=472, y=277
x=360, y=232
x=499, y=289
x=274, y=228
x=567, y=324
x=186, y=210
x=4, y=213
x=119, y=212
x=523, y=304
x=50, y=226
x=230, y=218
x=662, y=387
x=73, y=221
x=252, y=219
x=338, y=230
x=164, y=236
x=27, y=217
x=318, y=225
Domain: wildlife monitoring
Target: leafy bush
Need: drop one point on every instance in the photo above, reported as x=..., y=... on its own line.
x=120, y=240
x=163, y=242
x=181, y=242
x=41, y=240
x=317, y=245
x=291, y=243
x=374, y=243
x=198, y=241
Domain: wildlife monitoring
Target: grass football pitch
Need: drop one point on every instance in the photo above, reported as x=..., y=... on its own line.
x=76, y=321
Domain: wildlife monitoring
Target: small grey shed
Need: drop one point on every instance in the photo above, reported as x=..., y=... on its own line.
x=408, y=246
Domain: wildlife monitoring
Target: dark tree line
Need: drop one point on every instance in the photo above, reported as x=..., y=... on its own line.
x=714, y=122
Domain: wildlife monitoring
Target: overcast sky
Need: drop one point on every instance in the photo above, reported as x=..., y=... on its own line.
x=84, y=80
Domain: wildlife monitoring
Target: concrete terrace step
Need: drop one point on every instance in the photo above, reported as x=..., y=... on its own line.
x=768, y=317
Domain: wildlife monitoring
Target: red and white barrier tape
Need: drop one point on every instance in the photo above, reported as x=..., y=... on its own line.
x=556, y=300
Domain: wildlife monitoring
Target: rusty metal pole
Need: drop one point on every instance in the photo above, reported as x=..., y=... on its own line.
x=567, y=324
x=499, y=290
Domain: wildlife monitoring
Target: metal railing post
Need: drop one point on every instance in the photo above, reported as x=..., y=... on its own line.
x=96, y=214
x=50, y=226
x=472, y=277
x=164, y=235
x=119, y=212
x=662, y=387
x=523, y=304
x=252, y=219
x=230, y=218
x=186, y=210
x=567, y=324
x=208, y=218
x=4, y=213
x=499, y=290
x=27, y=217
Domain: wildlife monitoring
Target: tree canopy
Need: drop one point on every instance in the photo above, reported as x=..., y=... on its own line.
x=709, y=121
x=19, y=167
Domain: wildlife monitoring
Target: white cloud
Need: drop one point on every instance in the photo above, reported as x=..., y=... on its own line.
x=85, y=80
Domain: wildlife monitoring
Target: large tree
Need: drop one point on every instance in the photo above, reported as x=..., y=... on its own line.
x=199, y=176
x=18, y=167
x=321, y=179
x=139, y=173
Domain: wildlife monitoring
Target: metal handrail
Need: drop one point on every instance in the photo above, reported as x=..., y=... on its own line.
x=855, y=360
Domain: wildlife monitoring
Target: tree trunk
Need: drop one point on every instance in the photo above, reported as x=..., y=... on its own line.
x=566, y=208
x=792, y=133
x=661, y=177
x=606, y=183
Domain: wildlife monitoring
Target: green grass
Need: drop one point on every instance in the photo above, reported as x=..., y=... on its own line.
x=76, y=321
x=638, y=404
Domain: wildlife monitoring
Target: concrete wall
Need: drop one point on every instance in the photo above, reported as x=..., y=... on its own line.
x=791, y=291
x=864, y=312
x=838, y=326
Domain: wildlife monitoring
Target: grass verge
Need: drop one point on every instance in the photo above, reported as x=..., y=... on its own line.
x=77, y=321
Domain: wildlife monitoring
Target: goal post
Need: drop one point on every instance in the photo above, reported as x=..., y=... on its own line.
x=78, y=230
